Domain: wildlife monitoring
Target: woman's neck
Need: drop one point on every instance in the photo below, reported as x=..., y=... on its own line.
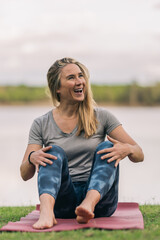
x=67, y=111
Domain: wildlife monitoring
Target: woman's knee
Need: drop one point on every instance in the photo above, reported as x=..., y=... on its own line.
x=57, y=151
x=103, y=145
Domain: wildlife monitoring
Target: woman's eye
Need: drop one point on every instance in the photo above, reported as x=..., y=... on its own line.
x=71, y=77
x=81, y=75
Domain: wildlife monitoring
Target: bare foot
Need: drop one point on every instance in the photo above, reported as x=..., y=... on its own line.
x=84, y=214
x=85, y=211
x=47, y=218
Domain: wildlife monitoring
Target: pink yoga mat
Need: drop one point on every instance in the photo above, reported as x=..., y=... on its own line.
x=127, y=216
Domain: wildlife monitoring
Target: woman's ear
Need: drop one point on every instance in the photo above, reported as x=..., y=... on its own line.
x=58, y=96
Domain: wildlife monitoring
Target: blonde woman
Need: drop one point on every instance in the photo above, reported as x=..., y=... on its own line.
x=78, y=171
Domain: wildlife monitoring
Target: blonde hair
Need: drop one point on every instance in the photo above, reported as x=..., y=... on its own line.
x=86, y=117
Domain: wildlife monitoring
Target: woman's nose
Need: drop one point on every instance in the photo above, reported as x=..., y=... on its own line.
x=78, y=81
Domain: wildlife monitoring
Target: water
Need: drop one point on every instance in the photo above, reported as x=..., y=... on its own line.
x=139, y=182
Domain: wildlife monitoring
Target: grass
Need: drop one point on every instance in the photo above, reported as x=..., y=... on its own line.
x=151, y=214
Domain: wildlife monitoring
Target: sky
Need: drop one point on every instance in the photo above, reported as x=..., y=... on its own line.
x=118, y=40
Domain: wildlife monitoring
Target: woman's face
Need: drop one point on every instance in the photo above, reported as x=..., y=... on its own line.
x=72, y=84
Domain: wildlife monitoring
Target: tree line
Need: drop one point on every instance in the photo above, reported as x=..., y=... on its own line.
x=132, y=94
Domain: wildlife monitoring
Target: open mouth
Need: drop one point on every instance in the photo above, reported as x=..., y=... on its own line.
x=78, y=90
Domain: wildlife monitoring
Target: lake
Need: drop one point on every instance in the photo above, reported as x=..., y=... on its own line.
x=139, y=182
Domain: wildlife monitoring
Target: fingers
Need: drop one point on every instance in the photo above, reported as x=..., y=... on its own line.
x=117, y=162
x=43, y=163
x=46, y=160
x=106, y=150
x=47, y=155
x=46, y=148
x=113, y=153
x=37, y=167
x=110, y=156
x=112, y=159
x=42, y=158
x=112, y=139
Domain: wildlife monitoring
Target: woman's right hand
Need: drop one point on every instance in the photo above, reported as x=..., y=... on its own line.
x=40, y=157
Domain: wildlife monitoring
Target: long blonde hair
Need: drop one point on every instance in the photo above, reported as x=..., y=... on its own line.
x=86, y=117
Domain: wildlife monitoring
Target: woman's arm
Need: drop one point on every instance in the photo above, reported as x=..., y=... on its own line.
x=28, y=170
x=135, y=152
x=124, y=146
x=38, y=157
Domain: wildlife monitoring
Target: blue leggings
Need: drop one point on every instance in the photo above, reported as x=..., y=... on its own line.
x=55, y=180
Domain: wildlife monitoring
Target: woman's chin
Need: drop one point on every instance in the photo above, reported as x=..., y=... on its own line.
x=79, y=98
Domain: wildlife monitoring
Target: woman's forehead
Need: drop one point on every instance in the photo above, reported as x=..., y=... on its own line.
x=70, y=69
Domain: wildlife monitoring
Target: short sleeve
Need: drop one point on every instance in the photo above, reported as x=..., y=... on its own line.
x=35, y=133
x=111, y=123
x=107, y=120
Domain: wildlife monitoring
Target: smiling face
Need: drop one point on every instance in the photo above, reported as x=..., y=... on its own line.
x=72, y=84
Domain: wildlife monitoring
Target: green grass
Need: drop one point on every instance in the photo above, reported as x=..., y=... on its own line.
x=151, y=214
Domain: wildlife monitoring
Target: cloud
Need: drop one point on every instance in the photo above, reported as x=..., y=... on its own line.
x=117, y=40
x=157, y=6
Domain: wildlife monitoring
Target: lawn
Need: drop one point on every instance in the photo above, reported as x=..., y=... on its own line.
x=151, y=214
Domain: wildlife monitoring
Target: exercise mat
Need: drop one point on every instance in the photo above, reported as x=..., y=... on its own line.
x=126, y=216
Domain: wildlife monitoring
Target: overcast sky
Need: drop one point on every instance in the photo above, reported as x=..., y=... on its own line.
x=118, y=40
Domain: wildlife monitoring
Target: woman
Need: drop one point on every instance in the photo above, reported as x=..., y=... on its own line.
x=77, y=170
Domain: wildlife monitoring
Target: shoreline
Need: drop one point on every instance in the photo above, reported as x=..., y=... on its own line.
x=47, y=103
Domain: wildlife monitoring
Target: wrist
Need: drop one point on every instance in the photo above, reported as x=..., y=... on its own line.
x=29, y=158
x=130, y=149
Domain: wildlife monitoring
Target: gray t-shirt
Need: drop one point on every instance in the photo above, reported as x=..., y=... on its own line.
x=80, y=151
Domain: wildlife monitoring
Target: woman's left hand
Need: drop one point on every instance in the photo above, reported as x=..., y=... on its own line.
x=116, y=153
